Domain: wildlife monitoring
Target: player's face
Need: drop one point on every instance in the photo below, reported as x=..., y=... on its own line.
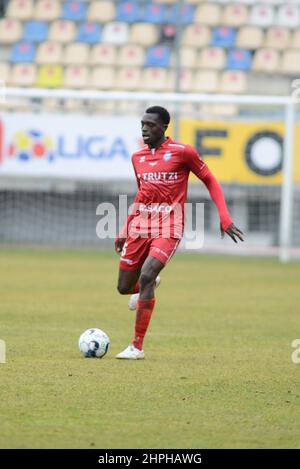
x=153, y=130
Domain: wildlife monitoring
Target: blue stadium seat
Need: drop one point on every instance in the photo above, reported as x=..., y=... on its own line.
x=22, y=52
x=239, y=59
x=185, y=12
x=74, y=10
x=153, y=13
x=89, y=33
x=35, y=31
x=158, y=56
x=128, y=11
x=223, y=37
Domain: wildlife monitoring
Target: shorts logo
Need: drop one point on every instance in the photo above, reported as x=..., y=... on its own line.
x=167, y=156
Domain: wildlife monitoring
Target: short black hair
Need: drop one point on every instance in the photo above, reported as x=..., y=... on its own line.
x=163, y=114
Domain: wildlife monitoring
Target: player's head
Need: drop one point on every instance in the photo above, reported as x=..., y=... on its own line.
x=154, y=122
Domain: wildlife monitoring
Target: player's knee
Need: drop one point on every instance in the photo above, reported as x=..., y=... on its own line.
x=123, y=289
x=146, y=279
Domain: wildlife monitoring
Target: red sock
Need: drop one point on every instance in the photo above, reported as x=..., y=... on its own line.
x=136, y=288
x=143, y=316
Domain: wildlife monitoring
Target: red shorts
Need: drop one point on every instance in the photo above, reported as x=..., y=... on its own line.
x=136, y=250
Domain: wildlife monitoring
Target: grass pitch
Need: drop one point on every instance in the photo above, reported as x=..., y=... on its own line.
x=218, y=370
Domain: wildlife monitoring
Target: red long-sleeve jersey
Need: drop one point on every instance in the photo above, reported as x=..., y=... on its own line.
x=162, y=177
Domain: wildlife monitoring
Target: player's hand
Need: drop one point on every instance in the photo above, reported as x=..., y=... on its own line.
x=233, y=232
x=119, y=243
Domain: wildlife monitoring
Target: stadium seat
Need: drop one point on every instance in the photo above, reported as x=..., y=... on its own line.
x=295, y=40
x=89, y=33
x=167, y=34
x=212, y=58
x=23, y=75
x=128, y=78
x=209, y=14
x=206, y=81
x=20, y=9
x=103, y=78
x=105, y=54
x=76, y=76
x=62, y=31
x=35, y=31
x=49, y=52
x=291, y=62
x=74, y=11
x=10, y=31
x=235, y=15
x=154, y=79
x=183, y=13
x=47, y=10
x=186, y=80
x=144, y=34
x=196, y=35
x=277, y=38
x=22, y=52
x=153, y=13
x=102, y=11
x=128, y=11
x=188, y=57
x=5, y=73
x=131, y=55
x=266, y=61
x=262, y=15
x=233, y=82
x=223, y=37
x=289, y=16
x=76, y=53
x=158, y=56
x=250, y=37
x=239, y=59
x=115, y=33
x=50, y=76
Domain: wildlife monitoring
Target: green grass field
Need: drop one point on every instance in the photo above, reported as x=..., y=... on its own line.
x=218, y=370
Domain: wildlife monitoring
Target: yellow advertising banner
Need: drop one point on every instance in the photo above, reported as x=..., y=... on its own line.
x=241, y=152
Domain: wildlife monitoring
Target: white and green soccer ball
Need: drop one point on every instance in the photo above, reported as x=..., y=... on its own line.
x=93, y=343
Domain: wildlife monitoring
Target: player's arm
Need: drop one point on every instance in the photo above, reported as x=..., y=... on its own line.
x=201, y=170
x=122, y=236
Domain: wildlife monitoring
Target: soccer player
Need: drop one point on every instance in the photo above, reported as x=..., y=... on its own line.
x=155, y=225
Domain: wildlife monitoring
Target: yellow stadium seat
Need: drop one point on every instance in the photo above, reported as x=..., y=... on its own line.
x=105, y=54
x=103, y=78
x=266, y=61
x=145, y=34
x=49, y=52
x=102, y=11
x=128, y=78
x=291, y=62
x=10, y=31
x=250, y=37
x=23, y=75
x=50, y=76
x=209, y=14
x=76, y=53
x=235, y=15
x=62, y=31
x=20, y=9
x=278, y=38
x=196, y=35
x=206, y=81
x=212, y=58
x=131, y=54
x=76, y=76
x=47, y=10
x=233, y=81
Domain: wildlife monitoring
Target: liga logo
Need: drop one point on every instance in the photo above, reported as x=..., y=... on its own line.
x=31, y=145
